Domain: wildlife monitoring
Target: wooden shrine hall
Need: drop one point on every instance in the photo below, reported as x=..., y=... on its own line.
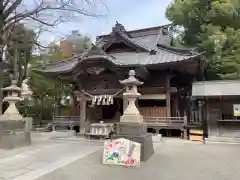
x=167, y=73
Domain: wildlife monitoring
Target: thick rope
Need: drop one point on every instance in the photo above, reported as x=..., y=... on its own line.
x=92, y=96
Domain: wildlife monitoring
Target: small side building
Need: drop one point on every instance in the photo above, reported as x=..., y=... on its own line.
x=220, y=102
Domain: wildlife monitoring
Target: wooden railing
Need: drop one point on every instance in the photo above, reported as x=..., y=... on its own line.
x=228, y=120
x=194, y=119
x=66, y=119
x=62, y=121
x=166, y=120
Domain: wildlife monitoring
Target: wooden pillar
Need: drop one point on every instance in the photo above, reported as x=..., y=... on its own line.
x=185, y=135
x=74, y=105
x=82, y=113
x=205, y=122
x=177, y=106
x=1, y=92
x=168, y=96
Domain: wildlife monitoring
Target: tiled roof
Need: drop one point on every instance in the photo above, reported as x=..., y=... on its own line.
x=124, y=59
x=161, y=56
x=154, y=40
x=147, y=38
x=64, y=65
x=137, y=43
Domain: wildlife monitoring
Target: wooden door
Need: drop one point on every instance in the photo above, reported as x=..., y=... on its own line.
x=213, y=116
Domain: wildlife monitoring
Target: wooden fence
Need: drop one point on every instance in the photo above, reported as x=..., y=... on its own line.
x=153, y=111
x=166, y=120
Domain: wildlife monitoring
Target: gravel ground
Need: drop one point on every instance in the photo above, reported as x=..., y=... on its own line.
x=173, y=160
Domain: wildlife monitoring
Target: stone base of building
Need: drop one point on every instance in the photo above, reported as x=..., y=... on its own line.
x=15, y=133
x=136, y=132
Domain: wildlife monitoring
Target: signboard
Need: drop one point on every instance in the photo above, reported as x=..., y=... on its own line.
x=236, y=109
x=121, y=152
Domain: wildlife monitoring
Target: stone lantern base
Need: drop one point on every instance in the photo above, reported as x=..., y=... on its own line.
x=136, y=132
x=131, y=118
x=15, y=133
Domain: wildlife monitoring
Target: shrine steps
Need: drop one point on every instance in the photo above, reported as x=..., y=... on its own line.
x=222, y=139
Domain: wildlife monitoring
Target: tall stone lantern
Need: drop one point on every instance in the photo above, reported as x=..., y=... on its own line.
x=131, y=114
x=12, y=98
x=131, y=125
x=15, y=129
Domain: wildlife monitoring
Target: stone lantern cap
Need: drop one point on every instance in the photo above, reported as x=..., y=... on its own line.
x=131, y=80
x=13, y=87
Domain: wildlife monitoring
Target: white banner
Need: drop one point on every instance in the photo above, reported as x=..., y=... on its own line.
x=236, y=109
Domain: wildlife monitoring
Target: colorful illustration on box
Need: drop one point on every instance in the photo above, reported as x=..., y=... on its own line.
x=121, y=152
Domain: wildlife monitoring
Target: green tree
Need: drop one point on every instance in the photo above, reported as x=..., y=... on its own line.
x=20, y=49
x=18, y=55
x=48, y=93
x=213, y=27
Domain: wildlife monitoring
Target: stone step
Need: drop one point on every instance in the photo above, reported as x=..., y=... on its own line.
x=223, y=139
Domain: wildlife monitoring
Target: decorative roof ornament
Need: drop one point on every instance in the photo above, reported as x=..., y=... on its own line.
x=165, y=30
x=95, y=70
x=118, y=28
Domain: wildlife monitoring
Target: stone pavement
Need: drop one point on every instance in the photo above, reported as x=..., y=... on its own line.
x=43, y=156
x=173, y=160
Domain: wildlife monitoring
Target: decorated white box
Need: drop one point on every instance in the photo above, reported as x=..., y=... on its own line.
x=121, y=152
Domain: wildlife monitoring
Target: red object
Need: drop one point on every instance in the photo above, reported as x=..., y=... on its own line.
x=110, y=145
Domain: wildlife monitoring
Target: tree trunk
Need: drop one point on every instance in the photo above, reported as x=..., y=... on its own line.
x=1, y=91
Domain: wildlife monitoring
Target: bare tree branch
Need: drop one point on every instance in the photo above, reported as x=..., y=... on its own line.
x=14, y=5
x=47, y=13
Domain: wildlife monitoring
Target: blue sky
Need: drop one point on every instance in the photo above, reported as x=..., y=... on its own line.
x=133, y=14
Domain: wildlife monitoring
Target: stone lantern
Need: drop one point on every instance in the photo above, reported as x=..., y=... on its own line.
x=131, y=125
x=131, y=114
x=15, y=129
x=12, y=98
